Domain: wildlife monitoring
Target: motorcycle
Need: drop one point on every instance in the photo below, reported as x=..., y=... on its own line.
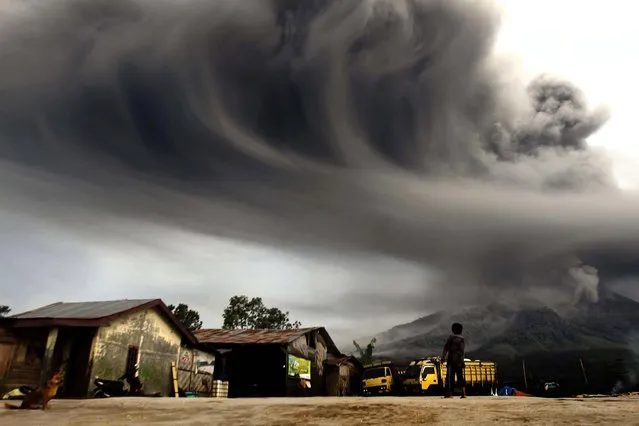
x=127, y=385
x=18, y=393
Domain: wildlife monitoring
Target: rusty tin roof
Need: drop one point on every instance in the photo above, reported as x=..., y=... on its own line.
x=83, y=310
x=238, y=337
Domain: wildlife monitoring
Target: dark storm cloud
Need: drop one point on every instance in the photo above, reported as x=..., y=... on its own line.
x=379, y=126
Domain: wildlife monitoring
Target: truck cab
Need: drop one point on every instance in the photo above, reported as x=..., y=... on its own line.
x=422, y=376
x=379, y=378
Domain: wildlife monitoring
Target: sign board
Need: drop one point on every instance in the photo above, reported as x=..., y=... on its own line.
x=205, y=363
x=299, y=366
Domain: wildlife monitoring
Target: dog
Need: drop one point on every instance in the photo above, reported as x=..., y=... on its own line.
x=40, y=397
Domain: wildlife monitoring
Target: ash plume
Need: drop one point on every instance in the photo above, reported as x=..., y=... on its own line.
x=381, y=126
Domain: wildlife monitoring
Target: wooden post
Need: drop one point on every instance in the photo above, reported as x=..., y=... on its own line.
x=89, y=370
x=583, y=370
x=523, y=366
x=285, y=369
x=175, y=382
x=48, y=356
x=137, y=359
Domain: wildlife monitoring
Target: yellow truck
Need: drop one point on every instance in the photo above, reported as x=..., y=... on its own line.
x=427, y=376
x=380, y=378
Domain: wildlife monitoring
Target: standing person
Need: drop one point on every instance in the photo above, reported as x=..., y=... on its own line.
x=454, y=355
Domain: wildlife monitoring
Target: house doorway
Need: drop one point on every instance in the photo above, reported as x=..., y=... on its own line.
x=73, y=352
x=132, y=359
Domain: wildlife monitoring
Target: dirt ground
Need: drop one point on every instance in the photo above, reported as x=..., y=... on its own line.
x=329, y=411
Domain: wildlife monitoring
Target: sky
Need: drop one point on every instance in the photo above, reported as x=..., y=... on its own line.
x=583, y=41
x=593, y=46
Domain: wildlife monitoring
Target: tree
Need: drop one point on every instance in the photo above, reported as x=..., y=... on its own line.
x=245, y=313
x=366, y=355
x=4, y=310
x=188, y=317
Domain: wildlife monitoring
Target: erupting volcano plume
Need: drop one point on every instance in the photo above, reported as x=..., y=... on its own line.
x=379, y=126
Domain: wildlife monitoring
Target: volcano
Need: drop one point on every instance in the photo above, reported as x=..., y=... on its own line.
x=551, y=343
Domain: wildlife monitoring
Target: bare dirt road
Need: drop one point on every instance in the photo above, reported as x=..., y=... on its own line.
x=329, y=411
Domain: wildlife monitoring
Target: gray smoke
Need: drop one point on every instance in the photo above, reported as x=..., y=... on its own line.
x=586, y=280
x=380, y=126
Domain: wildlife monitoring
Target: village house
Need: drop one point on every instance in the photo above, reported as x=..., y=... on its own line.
x=343, y=376
x=102, y=339
x=277, y=363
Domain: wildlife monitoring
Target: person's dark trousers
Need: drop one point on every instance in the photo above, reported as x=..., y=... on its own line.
x=455, y=375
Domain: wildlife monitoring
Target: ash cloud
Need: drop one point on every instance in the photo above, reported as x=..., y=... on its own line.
x=377, y=126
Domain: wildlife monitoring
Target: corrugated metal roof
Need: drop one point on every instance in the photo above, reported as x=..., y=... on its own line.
x=231, y=337
x=83, y=310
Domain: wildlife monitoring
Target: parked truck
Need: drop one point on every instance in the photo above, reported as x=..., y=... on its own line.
x=381, y=378
x=427, y=376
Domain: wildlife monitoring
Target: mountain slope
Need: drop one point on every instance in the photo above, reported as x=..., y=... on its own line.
x=500, y=330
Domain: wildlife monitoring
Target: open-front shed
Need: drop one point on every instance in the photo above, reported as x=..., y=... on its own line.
x=271, y=363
